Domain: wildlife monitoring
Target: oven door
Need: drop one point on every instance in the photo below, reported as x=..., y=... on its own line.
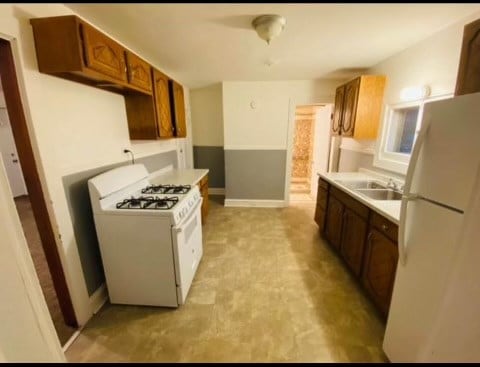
x=188, y=250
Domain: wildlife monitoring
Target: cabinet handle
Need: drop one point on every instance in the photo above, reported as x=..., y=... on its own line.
x=384, y=227
x=369, y=237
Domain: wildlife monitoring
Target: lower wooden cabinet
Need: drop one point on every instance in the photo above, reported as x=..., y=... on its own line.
x=364, y=239
x=203, y=187
x=321, y=207
x=353, y=240
x=379, y=268
x=333, y=221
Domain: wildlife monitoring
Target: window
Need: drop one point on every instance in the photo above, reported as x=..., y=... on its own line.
x=400, y=128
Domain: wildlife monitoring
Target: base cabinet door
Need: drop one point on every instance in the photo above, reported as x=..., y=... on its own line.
x=333, y=222
x=380, y=265
x=353, y=240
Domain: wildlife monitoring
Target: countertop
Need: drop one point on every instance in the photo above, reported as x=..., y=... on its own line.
x=178, y=177
x=388, y=208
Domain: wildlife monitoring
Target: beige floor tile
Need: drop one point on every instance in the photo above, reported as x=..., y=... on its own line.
x=268, y=289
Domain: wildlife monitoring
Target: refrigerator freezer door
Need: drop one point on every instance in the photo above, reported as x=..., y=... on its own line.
x=445, y=161
x=431, y=236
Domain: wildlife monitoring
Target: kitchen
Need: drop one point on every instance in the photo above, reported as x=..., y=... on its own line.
x=83, y=116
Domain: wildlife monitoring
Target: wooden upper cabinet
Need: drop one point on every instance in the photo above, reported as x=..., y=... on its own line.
x=350, y=107
x=468, y=76
x=162, y=105
x=358, y=105
x=338, y=110
x=178, y=108
x=103, y=54
x=138, y=71
x=70, y=48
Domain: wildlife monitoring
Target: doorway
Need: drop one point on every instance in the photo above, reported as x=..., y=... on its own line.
x=25, y=184
x=309, y=150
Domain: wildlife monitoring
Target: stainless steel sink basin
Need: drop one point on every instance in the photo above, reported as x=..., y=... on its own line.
x=380, y=194
x=366, y=184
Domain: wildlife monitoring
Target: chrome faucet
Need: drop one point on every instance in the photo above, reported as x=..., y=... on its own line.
x=394, y=186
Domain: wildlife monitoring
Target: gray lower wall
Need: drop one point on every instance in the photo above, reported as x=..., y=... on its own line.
x=76, y=191
x=255, y=174
x=213, y=158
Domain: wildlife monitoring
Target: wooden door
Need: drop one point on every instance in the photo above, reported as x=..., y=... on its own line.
x=350, y=107
x=353, y=240
x=380, y=265
x=139, y=73
x=104, y=54
x=468, y=76
x=333, y=222
x=162, y=105
x=179, y=110
x=338, y=110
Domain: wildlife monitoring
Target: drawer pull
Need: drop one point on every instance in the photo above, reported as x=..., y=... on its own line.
x=384, y=227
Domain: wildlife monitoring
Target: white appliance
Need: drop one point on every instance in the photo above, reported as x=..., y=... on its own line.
x=435, y=309
x=150, y=237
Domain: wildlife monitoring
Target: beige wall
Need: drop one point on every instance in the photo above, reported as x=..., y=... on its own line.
x=265, y=126
x=433, y=61
x=207, y=113
x=73, y=127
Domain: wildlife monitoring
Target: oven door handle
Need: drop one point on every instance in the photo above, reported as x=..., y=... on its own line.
x=188, y=219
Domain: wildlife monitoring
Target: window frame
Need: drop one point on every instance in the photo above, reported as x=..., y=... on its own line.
x=395, y=161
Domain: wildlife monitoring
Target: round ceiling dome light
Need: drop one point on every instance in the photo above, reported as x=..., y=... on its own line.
x=269, y=26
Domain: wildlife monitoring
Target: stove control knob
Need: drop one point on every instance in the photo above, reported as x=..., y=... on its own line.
x=185, y=210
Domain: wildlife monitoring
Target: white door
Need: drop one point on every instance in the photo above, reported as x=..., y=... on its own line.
x=10, y=156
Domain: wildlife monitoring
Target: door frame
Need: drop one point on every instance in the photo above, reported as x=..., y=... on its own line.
x=292, y=106
x=32, y=177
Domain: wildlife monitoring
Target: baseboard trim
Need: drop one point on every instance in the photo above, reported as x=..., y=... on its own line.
x=216, y=191
x=98, y=298
x=72, y=339
x=255, y=203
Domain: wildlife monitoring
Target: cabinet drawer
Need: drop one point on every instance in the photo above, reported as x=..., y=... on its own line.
x=350, y=202
x=385, y=226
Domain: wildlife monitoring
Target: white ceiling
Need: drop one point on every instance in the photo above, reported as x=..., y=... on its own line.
x=200, y=44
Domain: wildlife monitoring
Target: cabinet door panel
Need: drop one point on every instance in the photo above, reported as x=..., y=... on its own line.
x=179, y=109
x=139, y=72
x=350, y=107
x=333, y=222
x=162, y=104
x=353, y=240
x=338, y=109
x=380, y=265
x=320, y=216
x=104, y=54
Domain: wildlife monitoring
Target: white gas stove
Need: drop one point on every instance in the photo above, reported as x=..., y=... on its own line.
x=150, y=236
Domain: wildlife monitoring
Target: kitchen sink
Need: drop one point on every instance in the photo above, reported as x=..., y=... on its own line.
x=380, y=194
x=365, y=184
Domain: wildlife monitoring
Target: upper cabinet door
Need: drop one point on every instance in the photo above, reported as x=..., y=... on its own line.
x=139, y=72
x=179, y=109
x=162, y=104
x=337, y=113
x=350, y=107
x=103, y=54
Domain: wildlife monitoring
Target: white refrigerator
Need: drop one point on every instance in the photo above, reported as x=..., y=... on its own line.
x=435, y=309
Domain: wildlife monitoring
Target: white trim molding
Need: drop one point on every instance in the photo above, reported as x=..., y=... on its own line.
x=255, y=147
x=98, y=298
x=216, y=191
x=255, y=203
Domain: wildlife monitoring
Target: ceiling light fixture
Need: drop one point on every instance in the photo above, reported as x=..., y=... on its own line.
x=269, y=26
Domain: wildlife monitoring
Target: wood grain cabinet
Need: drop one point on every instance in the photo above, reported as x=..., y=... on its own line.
x=380, y=266
x=177, y=101
x=468, y=76
x=365, y=240
x=358, y=106
x=138, y=72
x=203, y=187
x=321, y=205
x=162, y=105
